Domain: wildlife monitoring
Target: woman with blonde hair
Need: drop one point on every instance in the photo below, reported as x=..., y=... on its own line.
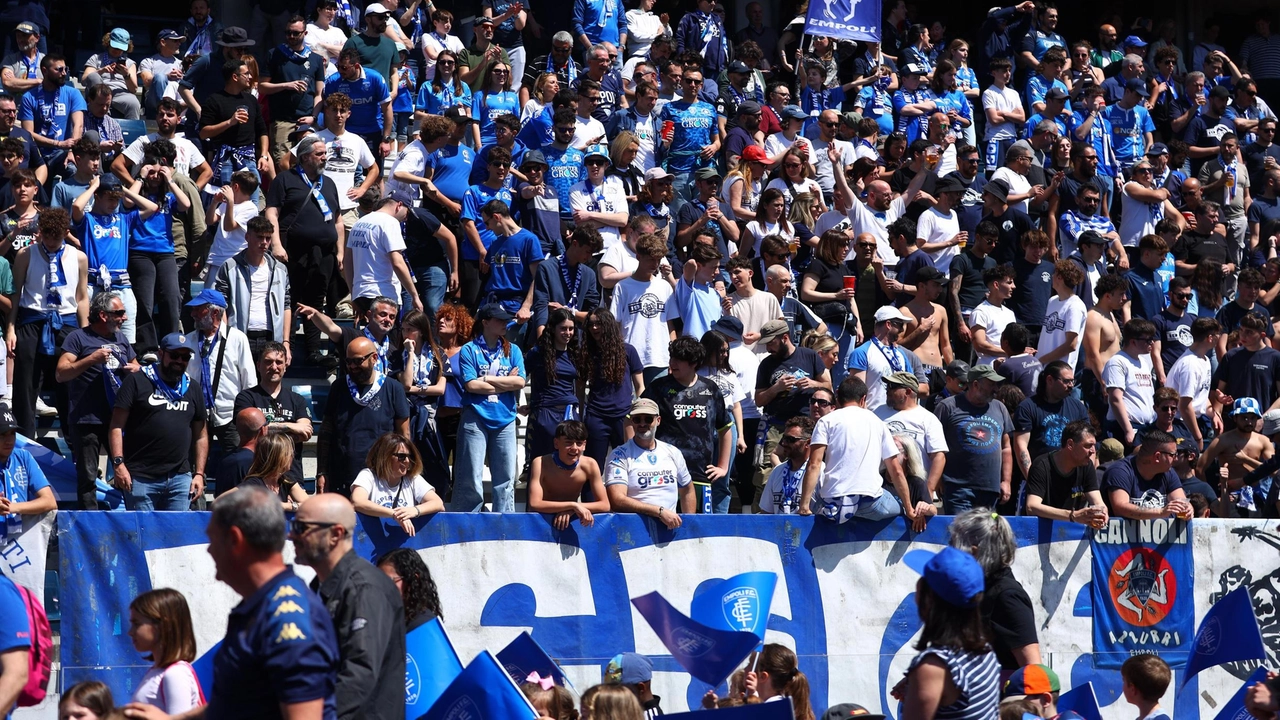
x=823, y=344
x=545, y=88
x=160, y=628
x=794, y=175
x=379, y=490
x=270, y=469
x=622, y=153
x=777, y=675
x=611, y=701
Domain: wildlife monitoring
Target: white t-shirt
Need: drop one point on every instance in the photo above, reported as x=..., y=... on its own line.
x=1137, y=218
x=620, y=257
x=259, y=292
x=994, y=320
x=348, y=154
x=777, y=143
x=1018, y=184
x=226, y=244
x=332, y=36
x=1005, y=100
x=372, y=240
x=607, y=197
x=1135, y=379
x=750, y=195
x=412, y=160
x=646, y=130
x=1190, y=376
x=789, y=191
x=173, y=689
x=430, y=40
x=866, y=220
x=822, y=168
x=643, y=309
x=754, y=312
x=934, y=227
x=773, y=498
x=857, y=442
x=1061, y=318
x=746, y=364
x=585, y=130
x=920, y=425
x=392, y=496
x=759, y=229
x=188, y=155
x=652, y=476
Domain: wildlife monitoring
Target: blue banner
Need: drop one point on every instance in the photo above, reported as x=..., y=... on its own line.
x=779, y=709
x=739, y=604
x=844, y=19
x=1082, y=701
x=430, y=664
x=709, y=654
x=1234, y=708
x=524, y=655
x=1228, y=633
x=482, y=692
x=1143, y=591
x=203, y=667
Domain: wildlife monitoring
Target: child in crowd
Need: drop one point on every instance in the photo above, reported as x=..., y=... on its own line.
x=402, y=106
x=230, y=210
x=1146, y=677
x=160, y=627
x=89, y=700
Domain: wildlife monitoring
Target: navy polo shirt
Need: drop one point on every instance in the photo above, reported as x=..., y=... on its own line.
x=279, y=648
x=1145, y=293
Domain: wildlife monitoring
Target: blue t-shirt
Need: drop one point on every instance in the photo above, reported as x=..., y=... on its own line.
x=437, y=101
x=597, y=19
x=487, y=107
x=564, y=170
x=876, y=103
x=1062, y=121
x=510, y=267
x=155, y=234
x=813, y=102
x=474, y=362
x=1128, y=129
x=695, y=127
x=474, y=199
x=1149, y=494
x=23, y=477
x=480, y=169
x=955, y=100
x=51, y=111
x=450, y=168
x=15, y=631
x=699, y=305
x=406, y=81
x=367, y=94
x=1101, y=138
x=106, y=239
x=1037, y=86
x=539, y=130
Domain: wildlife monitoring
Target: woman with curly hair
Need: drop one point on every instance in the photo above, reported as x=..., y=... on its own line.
x=453, y=329
x=615, y=375
x=554, y=381
x=411, y=576
x=1206, y=288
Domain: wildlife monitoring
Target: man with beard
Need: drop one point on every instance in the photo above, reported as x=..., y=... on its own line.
x=189, y=161
x=1085, y=216
x=647, y=476
x=158, y=427
x=1009, y=219
x=927, y=332
x=1239, y=450
x=976, y=427
x=557, y=480
x=377, y=50
x=379, y=327
x=367, y=610
x=1063, y=485
x=880, y=356
x=781, y=493
x=283, y=409
x=1039, y=421
x=363, y=406
x=1173, y=329
x=904, y=416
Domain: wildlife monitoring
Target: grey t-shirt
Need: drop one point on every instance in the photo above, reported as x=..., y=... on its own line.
x=974, y=437
x=114, y=80
x=23, y=67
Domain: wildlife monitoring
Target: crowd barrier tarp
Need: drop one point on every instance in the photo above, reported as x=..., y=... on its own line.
x=844, y=599
x=23, y=556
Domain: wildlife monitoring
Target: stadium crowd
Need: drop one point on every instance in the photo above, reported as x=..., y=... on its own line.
x=755, y=271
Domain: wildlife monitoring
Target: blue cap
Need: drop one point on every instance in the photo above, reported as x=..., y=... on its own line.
x=597, y=149
x=730, y=327
x=793, y=112
x=1157, y=149
x=1137, y=85
x=1134, y=41
x=208, y=296
x=494, y=311
x=1246, y=406
x=119, y=39
x=178, y=341
x=953, y=575
x=629, y=668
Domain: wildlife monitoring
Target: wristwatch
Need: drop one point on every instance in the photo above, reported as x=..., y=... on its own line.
x=117, y=461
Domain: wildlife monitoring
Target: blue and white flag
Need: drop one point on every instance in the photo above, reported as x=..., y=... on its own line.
x=1081, y=700
x=524, y=655
x=844, y=19
x=430, y=664
x=740, y=604
x=779, y=709
x=1234, y=708
x=709, y=654
x=483, y=691
x=1228, y=633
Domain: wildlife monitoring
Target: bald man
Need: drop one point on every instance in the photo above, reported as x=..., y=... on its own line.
x=778, y=280
x=251, y=424
x=363, y=406
x=367, y=610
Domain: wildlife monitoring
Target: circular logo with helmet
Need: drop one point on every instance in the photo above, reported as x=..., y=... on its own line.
x=1143, y=587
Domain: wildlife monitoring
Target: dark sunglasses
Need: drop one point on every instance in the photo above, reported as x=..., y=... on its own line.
x=302, y=527
x=820, y=402
x=789, y=439
x=401, y=456
x=117, y=313
x=354, y=361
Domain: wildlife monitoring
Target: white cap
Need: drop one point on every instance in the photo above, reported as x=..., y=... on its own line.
x=889, y=312
x=656, y=173
x=1271, y=422
x=376, y=9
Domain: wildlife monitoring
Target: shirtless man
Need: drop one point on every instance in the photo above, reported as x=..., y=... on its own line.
x=1238, y=450
x=926, y=333
x=556, y=480
x=1102, y=337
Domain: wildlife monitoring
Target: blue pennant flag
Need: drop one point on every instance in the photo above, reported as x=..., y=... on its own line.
x=739, y=604
x=524, y=655
x=1234, y=708
x=203, y=667
x=844, y=19
x=709, y=654
x=430, y=664
x=483, y=691
x=1081, y=700
x=779, y=709
x=1228, y=633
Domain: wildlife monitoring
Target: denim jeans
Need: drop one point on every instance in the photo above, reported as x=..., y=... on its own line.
x=171, y=493
x=477, y=447
x=862, y=507
x=433, y=283
x=959, y=498
x=721, y=491
x=683, y=189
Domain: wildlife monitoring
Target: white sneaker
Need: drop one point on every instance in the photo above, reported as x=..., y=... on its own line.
x=43, y=410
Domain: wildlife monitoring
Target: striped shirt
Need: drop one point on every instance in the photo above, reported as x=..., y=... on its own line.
x=1262, y=56
x=976, y=675
x=1073, y=224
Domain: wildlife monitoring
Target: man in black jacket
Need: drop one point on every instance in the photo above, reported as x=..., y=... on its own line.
x=368, y=613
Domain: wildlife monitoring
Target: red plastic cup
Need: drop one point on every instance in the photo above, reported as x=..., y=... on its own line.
x=668, y=129
x=850, y=282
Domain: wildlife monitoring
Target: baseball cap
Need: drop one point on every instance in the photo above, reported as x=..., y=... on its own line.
x=597, y=150
x=707, y=173
x=493, y=311
x=748, y=107
x=851, y=119
x=1246, y=406
x=1220, y=91
x=888, y=313
x=929, y=273
x=484, y=20
x=914, y=69
x=657, y=173
x=953, y=575
x=1134, y=41
x=235, y=37
x=534, y=157
x=737, y=66
x=1271, y=422
x=958, y=369
x=208, y=296
x=1110, y=450
x=847, y=711
x=793, y=112
x=773, y=329
x=1055, y=93
x=984, y=372
x=27, y=28
x=629, y=668
x=905, y=379
x=8, y=423
x=1137, y=85
x=1091, y=237
x=1158, y=149
x=376, y=9
x=1030, y=680
x=644, y=406
x=998, y=189
x=108, y=182
x=751, y=153
x=950, y=183
x=458, y=113
x=730, y=327
x=119, y=39
x=178, y=341
x=170, y=34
